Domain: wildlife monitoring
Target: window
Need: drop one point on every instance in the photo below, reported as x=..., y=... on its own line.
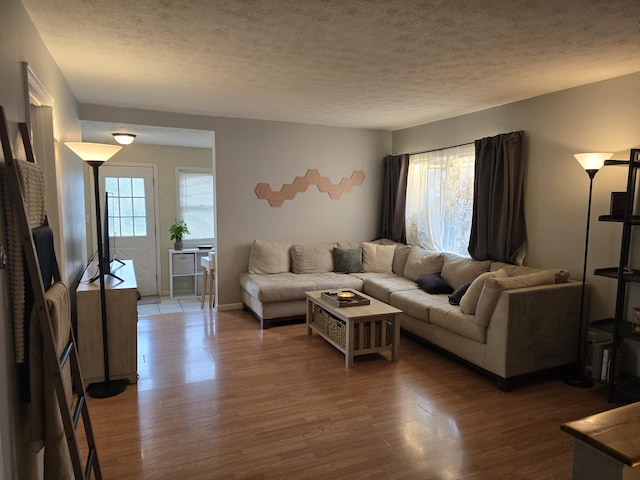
x=195, y=202
x=440, y=199
x=126, y=206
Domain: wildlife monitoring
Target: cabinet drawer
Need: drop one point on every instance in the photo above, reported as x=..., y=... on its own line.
x=183, y=263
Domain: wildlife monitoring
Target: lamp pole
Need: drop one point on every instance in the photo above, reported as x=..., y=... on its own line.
x=108, y=388
x=579, y=376
x=95, y=154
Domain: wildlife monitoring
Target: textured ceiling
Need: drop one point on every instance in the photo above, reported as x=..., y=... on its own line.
x=362, y=63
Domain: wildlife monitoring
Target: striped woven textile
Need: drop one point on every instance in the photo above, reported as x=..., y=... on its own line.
x=31, y=180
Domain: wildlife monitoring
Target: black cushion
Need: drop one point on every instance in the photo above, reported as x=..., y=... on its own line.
x=347, y=260
x=434, y=283
x=454, y=298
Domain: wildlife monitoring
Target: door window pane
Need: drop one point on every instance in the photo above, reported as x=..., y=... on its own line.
x=127, y=206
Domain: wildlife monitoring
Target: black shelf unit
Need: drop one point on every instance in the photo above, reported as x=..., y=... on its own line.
x=629, y=385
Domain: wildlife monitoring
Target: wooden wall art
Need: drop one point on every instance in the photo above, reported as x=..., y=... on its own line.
x=300, y=184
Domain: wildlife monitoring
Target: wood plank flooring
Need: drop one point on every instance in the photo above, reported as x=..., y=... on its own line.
x=218, y=398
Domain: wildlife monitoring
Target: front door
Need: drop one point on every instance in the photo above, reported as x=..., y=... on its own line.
x=132, y=226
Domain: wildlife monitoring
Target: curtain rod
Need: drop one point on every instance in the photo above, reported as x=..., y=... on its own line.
x=435, y=149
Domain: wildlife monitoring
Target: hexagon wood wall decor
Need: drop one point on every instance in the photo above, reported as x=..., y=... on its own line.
x=300, y=184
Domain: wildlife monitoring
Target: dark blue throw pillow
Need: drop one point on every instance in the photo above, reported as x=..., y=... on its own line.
x=454, y=298
x=434, y=283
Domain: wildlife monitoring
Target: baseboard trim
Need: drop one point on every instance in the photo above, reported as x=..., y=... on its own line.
x=229, y=306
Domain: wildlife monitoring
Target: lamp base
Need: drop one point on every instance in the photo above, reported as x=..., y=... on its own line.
x=579, y=376
x=107, y=389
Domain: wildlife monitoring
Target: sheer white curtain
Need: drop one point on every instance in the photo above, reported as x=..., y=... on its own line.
x=440, y=199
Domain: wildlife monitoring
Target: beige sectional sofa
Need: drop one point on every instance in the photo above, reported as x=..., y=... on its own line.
x=510, y=321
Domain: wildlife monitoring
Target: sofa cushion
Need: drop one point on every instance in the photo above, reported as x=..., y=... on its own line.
x=416, y=303
x=382, y=287
x=400, y=258
x=451, y=318
x=282, y=287
x=317, y=258
x=377, y=258
x=456, y=296
x=434, y=283
x=459, y=270
x=269, y=257
x=421, y=261
x=349, y=245
x=469, y=301
x=347, y=260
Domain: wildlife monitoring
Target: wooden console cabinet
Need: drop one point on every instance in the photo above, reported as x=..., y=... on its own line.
x=122, y=324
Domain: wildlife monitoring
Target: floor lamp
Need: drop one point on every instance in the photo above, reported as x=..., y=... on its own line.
x=579, y=376
x=95, y=154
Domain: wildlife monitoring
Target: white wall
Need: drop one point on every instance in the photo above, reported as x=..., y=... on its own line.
x=248, y=152
x=601, y=117
x=20, y=42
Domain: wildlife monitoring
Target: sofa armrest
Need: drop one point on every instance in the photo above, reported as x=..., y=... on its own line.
x=534, y=328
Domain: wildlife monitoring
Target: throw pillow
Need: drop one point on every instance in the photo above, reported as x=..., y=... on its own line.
x=456, y=296
x=347, y=260
x=421, y=261
x=269, y=257
x=377, y=258
x=434, y=283
x=469, y=301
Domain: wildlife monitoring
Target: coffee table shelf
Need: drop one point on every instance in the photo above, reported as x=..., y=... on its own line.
x=357, y=330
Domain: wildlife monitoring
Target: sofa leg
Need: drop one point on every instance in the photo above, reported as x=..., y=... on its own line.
x=504, y=384
x=264, y=324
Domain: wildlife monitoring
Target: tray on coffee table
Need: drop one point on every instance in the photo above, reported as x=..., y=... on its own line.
x=350, y=298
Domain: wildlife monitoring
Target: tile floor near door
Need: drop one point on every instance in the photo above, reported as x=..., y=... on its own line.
x=171, y=305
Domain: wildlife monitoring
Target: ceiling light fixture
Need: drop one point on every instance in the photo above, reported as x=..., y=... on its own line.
x=124, y=138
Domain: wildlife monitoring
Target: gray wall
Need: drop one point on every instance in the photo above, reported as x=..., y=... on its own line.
x=20, y=42
x=601, y=117
x=248, y=152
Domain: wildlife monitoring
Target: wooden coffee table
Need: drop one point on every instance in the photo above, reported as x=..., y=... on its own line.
x=357, y=330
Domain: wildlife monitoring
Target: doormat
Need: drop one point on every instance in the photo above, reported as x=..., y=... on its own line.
x=150, y=300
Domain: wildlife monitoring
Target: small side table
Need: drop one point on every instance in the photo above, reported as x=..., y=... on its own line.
x=209, y=271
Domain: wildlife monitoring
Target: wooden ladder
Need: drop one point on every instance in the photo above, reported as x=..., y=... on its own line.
x=70, y=417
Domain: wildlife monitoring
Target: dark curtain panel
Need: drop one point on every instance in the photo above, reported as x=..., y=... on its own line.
x=394, y=197
x=498, y=230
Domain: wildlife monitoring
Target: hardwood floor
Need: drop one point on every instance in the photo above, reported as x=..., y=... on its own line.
x=218, y=398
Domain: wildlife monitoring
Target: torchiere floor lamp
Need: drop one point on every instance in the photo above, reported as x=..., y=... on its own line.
x=95, y=154
x=579, y=375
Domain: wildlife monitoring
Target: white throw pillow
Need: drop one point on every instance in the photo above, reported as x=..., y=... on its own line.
x=269, y=257
x=469, y=301
x=377, y=258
